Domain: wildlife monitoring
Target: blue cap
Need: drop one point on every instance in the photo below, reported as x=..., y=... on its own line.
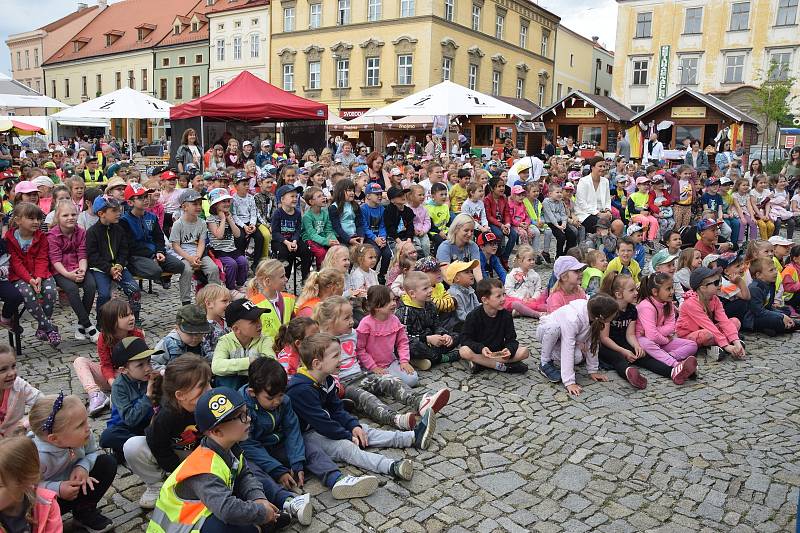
x=373, y=188
x=712, y=181
x=215, y=407
x=103, y=202
x=283, y=189
x=360, y=168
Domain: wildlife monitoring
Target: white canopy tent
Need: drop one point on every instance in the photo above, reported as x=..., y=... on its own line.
x=124, y=103
x=370, y=119
x=14, y=94
x=446, y=98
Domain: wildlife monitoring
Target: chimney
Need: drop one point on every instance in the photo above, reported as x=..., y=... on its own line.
x=595, y=38
x=82, y=6
x=102, y=4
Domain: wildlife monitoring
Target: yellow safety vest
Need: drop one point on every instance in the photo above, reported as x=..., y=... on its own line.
x=176, y=515
x=591, y=272
x=270, y=323
x=93, y=181
x=535, y=214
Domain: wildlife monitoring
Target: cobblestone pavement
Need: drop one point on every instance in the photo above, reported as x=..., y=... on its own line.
x=514, y=453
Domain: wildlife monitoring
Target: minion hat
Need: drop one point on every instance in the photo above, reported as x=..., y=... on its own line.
x=215, y=407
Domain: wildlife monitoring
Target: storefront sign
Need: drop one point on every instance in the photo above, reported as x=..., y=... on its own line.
x=580, y=112
x=790, y=141
x=663, y=73
x=495, y=117
x=686, y=111
x=349, y=114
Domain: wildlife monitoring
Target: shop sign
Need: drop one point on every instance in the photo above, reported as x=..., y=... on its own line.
x=580, y=112
x=687, y=111
x=349, y=114
x=790, y=141
x=663, y=73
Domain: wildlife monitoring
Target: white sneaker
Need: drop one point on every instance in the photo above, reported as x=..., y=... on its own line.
x=149, y=497
x=92, y=334
x=80, y=334
x=300, y=508
x=434, y=401
x=406, y=421
x=97, y=403
x=354, y=487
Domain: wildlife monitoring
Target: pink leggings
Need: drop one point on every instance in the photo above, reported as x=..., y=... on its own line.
x=671, y=353
x=90, y=375
x=650, y=224
x=703, y=337
x=529, y=308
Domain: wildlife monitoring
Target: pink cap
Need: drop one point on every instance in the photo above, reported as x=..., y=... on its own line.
x=517, y=189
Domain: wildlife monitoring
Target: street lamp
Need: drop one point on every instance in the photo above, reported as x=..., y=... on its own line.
x=336, y=58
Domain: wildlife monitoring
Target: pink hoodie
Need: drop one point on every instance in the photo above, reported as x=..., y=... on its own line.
x=653, y=323
x=378, y=341
x=693, y=317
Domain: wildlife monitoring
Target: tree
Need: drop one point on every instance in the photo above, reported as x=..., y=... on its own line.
x=772, y=100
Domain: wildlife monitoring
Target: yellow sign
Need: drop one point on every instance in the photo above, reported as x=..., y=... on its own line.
x=686, y=111
x=496, y=117
x=580, y=112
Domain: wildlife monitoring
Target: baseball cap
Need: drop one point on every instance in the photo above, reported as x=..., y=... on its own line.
x=427, y=264
x=191, y=319
x=91, y=159
x=115, y=182
x=49, y=164
x=633, y=228
x=360, y=168
x=7, y=175
x=729, y=258
x=168, y=175
x=208, y=176
x=517, y=189
x=658, y=179
x=710, y=258
x=569, y=186
x=280, y=145
x=131, y=349
x=26, y=187
x=455, y=267
x=700, y=274
x=42, y=181
x=642, y=179
x=247, y=143
x=712, y=181
x=283, y=189
x=215, y=407
x=394, y=192
x=135, y=189
x=103, y=202
x=395, y=171
x=217, y=195
x=662, y=257
x=777, y=240
x=565, y=263
x=725, y=180
x=240, y=176
x=269, y=169
x=189, y=195
x=373, y=188
x=487, y=237
x=243, y=309
x=707, y=223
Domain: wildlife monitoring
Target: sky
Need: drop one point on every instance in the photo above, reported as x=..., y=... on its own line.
x=586, y=17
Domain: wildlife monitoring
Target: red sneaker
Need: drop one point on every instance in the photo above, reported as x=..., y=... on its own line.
x=684, y=369
x=635, y=378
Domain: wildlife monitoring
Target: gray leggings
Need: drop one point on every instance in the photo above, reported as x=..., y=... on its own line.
x=347, y=451
x=41, y=312
x=364, y=390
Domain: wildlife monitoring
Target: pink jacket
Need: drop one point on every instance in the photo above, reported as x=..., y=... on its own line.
x=559, y=298
x=378, y=342
x=67, y=250
x=652, y=322
x=519, y=214
x=693, y=317
x=20, y=395
x=46, y=512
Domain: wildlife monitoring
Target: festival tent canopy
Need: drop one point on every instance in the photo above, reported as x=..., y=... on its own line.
x=124, y=103
x=447, y=98
x=19, y=128
x=14, y=94
x=249, y=98
x=336, y=120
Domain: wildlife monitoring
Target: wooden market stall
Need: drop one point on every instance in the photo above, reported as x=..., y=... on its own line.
x=484, y=131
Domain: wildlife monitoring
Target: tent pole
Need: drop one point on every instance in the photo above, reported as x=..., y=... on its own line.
x=447, y=135
x=202, y=138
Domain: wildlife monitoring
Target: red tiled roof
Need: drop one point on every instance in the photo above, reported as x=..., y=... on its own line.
x=187, y=35
x=67, y=19
x=126, y=16
x=232, y=5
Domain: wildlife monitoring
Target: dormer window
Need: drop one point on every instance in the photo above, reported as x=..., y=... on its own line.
x=177, y=29
x=113, y=36
x=195, y=26
x=109, y=40
x=79, y=43
x=143, y=31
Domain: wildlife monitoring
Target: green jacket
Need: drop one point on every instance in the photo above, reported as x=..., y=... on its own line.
x=231, y=358
x=318, y=228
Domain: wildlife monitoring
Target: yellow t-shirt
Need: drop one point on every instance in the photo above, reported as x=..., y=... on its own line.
x=458, y=196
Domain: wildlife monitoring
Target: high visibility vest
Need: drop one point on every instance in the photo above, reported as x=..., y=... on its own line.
x=792, y=271
x=270, y=323
x=589, y=273
x=534, y=213
x=94, y=180
x=779, y=277
x=640, y=200
x=176, y=515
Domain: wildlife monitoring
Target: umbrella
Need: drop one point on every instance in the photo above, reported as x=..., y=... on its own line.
x=19, y=128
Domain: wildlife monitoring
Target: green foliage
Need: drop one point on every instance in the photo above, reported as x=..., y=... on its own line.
x=772, y=99
x=774, y=167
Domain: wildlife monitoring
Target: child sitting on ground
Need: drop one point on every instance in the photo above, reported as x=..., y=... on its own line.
x=523, y=286
x=288, y=340
x=319, y=286
x=689, y=260
x=191, y=327
x=445, y=304
x=593, y=273
x=490, y=262
x=214, y=299
x=316, y=403
x=459, y=276
x=488, y=338
x=762, y=293
x=623, y=263
x=243, y=345
x=364, y=258
x=406, y=253
x=475, y=207
x=520, y=220
x=15, y=394
x=267, y=289
x=567, y=271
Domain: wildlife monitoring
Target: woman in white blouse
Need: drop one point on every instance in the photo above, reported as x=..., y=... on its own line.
x=593, y=198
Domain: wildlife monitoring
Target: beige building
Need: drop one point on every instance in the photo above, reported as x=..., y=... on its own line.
x=238, y=39
x=30, y=49
x=367, y=54
x=573, y=68
x=720, y=47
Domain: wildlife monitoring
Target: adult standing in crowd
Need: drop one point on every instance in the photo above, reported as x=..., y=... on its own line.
x=623, y=146
x=697, y=158
x=653, y=150
x=593, y=198
x=188, y=152
x=375, y=172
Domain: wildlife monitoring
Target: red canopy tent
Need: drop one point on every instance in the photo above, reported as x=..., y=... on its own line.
x=249, y=98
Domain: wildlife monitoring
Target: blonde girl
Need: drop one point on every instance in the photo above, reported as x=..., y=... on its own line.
x=404, y=250
x=60, y=193
x=76, y=187
x=759, y=205
x=233, y=156
x=15, y=395
x=338, y=257
x=688, y=261
x=319, y=285
x=364, y=258
x=779, y=207
x=23, y=499
x=287, y=343
x=523, y=286
x=567, y=271
x=214, y=299
x=756, y=250
x=70, y=460
x=266, y=289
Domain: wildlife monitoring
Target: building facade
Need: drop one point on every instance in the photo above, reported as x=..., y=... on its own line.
x=238, y=39
x=602, y=69
x=720, y=47
x=573, y=66
x=181, y=59
x=367, y=54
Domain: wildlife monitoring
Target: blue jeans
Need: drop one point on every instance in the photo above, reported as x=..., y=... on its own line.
x=511, y=240
x=127, y=284
x=735, y=226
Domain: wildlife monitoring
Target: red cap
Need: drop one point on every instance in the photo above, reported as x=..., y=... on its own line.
x=485, y=238
x=168, y=175
x=135, y=189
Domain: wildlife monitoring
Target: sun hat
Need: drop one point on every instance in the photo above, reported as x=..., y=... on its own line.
x=662, y=257
x=217, y=195
x=451, y=270
x=565, y=263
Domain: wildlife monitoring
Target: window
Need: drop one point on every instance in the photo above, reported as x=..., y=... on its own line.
x=605, y=93
x=165, y=62
x=195, y=86
x=35, y=58
x=53, y=88
x=541, y=94
x=313, y=75
x=373, y=71
x=27, y=59
x=118, y=80
x=195, y=26
x=162, y=88
x=344, y=12
x=495, y=82
x=407, y=8
x=66, y=88
x=688, y=71
x=255, y=45
x=237, y=48
x=545, y=41
x=404, y=70
x=19, y=60
x=237, y=23
x=288, y=19
x=609, y=69
x=288, y=77
x=740, y=16
x=694, y=20
x=449, y=9
x=591, y=135
x=99, y=83
x=84, y=86
x=181, y=60
x=447, y=68
x=787, y=12
x=179, y=88
x=572, y=60
x=559, y=90
x=734, y=68
x=198, y=58
x=779, y=66
x=523, y=35
x=569, y=89
x=315, y=15
x=219, y=83
x=38, y=86
x=597, y=91
x=144, y=80
x=254, y=22
x=640, y=67
x=476, y=17
x=499, y=25
x=637, y=108
x=693, y=132
x=141, y=34
x=472, y=77
x=343, y=73
x=130, y=79
x=374, y=9
x=176, y=30
x=220, y=50
x=520, y=88
x=221, y=27
x=109, y=40
x=644, y=25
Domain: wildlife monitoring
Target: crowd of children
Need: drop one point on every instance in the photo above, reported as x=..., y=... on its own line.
x=428, y=271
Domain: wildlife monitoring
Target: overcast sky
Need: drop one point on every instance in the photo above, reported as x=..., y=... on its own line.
x=586, y=17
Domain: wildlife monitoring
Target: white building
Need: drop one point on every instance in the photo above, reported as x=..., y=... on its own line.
x=239, y=40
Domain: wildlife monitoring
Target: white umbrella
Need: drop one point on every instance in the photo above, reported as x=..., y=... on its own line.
x=335, y=120
x=370, y=119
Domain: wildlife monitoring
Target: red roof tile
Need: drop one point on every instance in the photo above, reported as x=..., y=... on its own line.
x=67, y=19
x=232, y=5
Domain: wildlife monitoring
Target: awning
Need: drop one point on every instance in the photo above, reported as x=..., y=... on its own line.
x=87, y=124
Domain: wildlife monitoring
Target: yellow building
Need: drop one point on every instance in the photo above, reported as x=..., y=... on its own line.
x=370, y=53
x=719, y=47
x=573, y=68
